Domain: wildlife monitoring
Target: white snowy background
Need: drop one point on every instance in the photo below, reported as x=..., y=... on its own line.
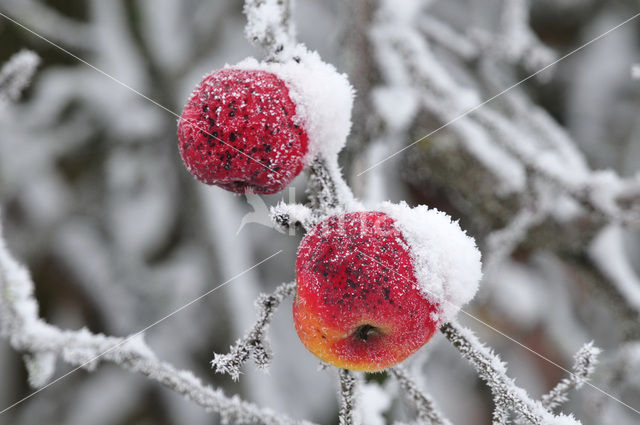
x=97, y=204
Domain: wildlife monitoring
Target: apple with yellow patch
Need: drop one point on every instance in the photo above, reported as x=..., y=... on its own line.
x=374, y=286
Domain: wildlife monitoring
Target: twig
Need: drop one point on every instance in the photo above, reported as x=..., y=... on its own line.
x=492, y=370
x=348, y=414
x=427, y=410
x=16, y=74
x=585, y=361
x=42, y=343
x=269, y=26
x=255, y=341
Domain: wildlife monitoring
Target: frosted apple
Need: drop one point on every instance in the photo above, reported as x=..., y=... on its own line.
x=373, y=287
x=255, y=125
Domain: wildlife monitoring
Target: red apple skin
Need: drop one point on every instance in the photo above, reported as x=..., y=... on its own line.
x=358, y=305
x=238, y=131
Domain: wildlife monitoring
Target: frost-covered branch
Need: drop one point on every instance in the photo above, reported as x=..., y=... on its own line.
x=493, y=371
x=609, y=256
x=269, y=26
x=255, y=342
x=585, y=361
x=502, y=242
x=290, y=217
x=427, y=410
x=328, y=192
x=50, y=23
x=16, y=74
x=348, y=414
x=43, y=343
x=321, y=187
x=504, y=147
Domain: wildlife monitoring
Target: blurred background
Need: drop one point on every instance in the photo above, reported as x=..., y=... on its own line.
x=117, y=234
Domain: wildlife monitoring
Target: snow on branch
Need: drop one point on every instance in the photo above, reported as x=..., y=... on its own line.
x=585, y=361
x=289, y=217
x=255, y=342
x=52, y=24
x=43, y=343
x=501, y=243
x=16, y=74
x=517, y=41
x=427, y=410
x=348, y=414
x=507, y=395
x=328, y=192
x=269, y=26
x=609, y=256
x=502, y=144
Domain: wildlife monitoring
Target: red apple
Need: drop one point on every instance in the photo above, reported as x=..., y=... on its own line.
x=373, y=287
x=239, y=131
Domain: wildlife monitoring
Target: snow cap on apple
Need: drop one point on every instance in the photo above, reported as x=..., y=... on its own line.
x=374, y=286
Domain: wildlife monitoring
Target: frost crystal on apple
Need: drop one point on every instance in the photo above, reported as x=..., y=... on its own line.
x=446, y=260
x=239, y=131
x=323, y=99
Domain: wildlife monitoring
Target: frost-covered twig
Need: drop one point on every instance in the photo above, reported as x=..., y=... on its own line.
x=16, y=74
x=621, y=370
x=50, y=23
x=504, y=148
x=608, y=254
x=43, y=343
x=514, y=43
x=269, y=26
x=583, y=367
x=517, y=41
x=502, y=242
x=348, y=414
x=254, y=342
x=292, y=216
x=427, y=410
x=321, y=187
x=493, y=371
x=328, y=192
x=500, y=415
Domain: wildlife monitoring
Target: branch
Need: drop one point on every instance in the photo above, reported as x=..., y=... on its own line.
x=492, y=370
x=501, y=243
x=269, y=27
x=427, y=410
x=290, y=217
x=328, y=193
x=16, y=74
x=255, y=341
x=42, y=343
x=348, y=414
x=561, y=167
x=585, y=361
x=500, y=414
x=52, y=24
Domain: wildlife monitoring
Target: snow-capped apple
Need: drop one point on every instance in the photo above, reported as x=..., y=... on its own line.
x=256, y=125
x=373, y=287
x=238, y=132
